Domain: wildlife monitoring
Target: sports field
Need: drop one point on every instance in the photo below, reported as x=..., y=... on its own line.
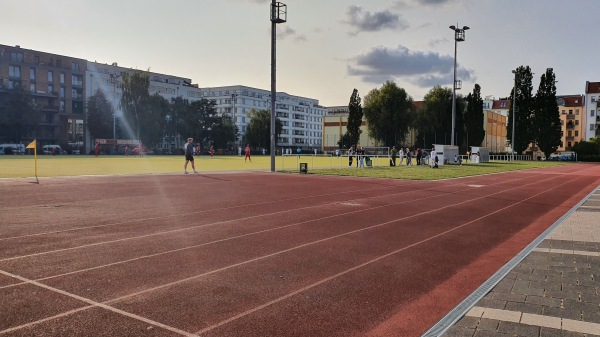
x=53, y=166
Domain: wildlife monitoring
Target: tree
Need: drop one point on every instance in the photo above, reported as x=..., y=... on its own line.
x=388, y=112
x=258, y=131
x=546, y=118
x=135, y=97
x=523, y=117
x=152, y=125
x=223, y=132
x=434, y=120
x=591, y=148
x=197, y=119
x=474, y=119
x=344, y=141
x=354, y=118
x=19, y=115
x=100, y=115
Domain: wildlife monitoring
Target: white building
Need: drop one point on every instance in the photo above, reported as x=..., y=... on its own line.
x=108, y=77
x=301, y=116
x=591, y=109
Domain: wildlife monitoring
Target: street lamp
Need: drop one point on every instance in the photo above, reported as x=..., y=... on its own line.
x=459, y=35
x=514, y=110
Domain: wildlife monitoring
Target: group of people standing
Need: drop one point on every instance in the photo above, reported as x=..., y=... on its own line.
x=358, y=152
x=418, y=153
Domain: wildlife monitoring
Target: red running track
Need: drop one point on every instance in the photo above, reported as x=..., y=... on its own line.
x=262, y=254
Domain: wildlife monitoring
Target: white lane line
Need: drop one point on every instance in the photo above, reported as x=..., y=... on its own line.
x=88, y=301
x=244, y=235
x=260, y=307
x=196, y=212
x=535, y=320
x=222, y=222
x=288, y=250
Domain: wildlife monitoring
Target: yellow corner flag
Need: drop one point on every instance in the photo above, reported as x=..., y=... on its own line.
x=33, y=146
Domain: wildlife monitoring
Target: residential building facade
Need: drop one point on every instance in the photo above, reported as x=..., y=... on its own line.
x=301, y=117
x=572, y=115
x=57, y=85
x=591, y=119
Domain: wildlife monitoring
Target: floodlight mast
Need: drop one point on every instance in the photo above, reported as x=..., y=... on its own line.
x=459, y=35
x=278, y=15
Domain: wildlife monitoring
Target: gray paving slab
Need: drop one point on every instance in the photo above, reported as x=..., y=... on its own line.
x=553, y=291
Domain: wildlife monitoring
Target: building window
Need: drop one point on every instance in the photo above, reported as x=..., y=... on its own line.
x=50, y=77
x=14, y=71
x=576, y=133
x=16, y=57
x=62, y=92
x=592, y=127
x=569, y=144
x=577, y=111
x=576, y=122
x=592, y=113
x=76, y=80
x=50, y=89
x=62, y=78
x=32, y=74
x=62, y=106
x=32, y=87
x=74, y=66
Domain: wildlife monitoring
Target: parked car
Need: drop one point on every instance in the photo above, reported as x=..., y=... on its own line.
x=52, y=149
x=12, y=149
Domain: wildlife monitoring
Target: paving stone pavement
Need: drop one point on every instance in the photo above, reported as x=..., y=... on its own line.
x=553, y=291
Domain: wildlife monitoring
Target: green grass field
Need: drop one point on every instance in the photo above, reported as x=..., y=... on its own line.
x=50, y=166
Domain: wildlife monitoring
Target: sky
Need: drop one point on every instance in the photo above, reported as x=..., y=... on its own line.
x=326, y=48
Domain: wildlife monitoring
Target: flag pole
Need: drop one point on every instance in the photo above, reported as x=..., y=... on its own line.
x=33, y=145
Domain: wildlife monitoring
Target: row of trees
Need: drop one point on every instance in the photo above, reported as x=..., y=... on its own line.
x=391, y=113
x=151, y=117
x=147, y=117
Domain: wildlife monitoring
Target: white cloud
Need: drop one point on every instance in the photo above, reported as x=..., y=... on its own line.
x=364, y=21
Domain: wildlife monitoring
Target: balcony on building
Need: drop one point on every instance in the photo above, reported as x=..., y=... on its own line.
x=570, y=116
x=570, y=138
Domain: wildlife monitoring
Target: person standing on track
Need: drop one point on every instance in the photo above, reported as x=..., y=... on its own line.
x=247, y=152
x=189, y=156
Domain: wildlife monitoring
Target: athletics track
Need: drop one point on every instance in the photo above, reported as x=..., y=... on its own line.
x=262, y=254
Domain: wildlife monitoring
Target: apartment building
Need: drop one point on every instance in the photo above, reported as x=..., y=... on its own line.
x=108, y=77
x=301, y=116
x=572, y=114
x=591, y=118
x=57, y=85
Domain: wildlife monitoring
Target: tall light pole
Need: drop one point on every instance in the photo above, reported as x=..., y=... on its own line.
x=459, y=35
x=278, y=15
x=514, y=110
